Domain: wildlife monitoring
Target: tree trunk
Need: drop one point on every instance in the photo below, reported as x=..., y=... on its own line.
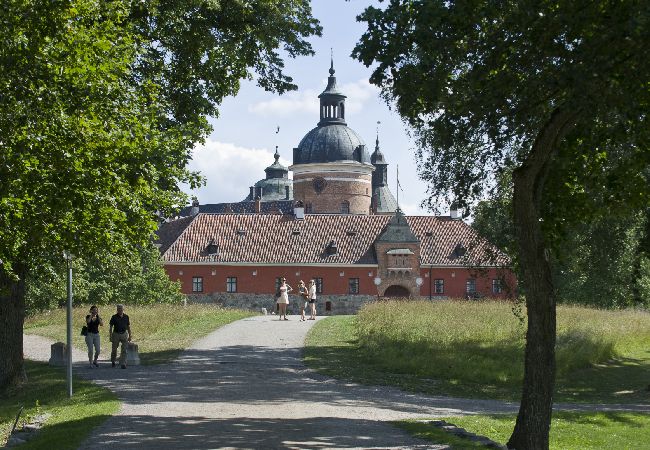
x=534, y=418
x=12, y=312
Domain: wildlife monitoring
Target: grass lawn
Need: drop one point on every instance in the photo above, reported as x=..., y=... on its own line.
x=161, y=331
x=569, y=430
x=72, y=419
x=475, y=349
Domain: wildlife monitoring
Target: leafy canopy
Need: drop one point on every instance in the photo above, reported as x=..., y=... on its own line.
x=101, y=103
x=478, y=80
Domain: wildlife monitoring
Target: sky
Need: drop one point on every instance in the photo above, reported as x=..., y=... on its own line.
x=244, y=137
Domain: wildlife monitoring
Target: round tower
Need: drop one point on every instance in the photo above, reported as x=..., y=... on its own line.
x=332, y=171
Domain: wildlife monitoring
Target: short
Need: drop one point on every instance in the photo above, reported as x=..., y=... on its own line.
x=312, y=301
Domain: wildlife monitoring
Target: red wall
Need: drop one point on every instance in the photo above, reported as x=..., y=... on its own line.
x=333, y=283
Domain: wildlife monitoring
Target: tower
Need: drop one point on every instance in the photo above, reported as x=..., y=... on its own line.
x=383, y=201
x=332, y=172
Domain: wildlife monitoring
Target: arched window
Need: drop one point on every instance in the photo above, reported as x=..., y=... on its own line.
x=345, y=207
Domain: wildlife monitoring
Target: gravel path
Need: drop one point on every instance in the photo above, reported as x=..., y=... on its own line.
x=244, y=386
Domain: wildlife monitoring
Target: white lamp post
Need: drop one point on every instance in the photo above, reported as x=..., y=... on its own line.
x=377, y=281
x=68, y=258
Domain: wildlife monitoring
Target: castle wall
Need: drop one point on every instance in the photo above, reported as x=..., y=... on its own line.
x=256, y=284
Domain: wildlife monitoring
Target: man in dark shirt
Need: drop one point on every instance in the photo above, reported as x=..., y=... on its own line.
x=119, y=330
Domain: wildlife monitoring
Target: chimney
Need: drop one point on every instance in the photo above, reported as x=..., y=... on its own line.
x=194, y=211
x=299, y=210
x=453, y=211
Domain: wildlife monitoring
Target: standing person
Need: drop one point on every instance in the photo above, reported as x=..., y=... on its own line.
x=283, y=301
x=119, y=329
x=304, y=296
x=93, y=322
x=312, y=298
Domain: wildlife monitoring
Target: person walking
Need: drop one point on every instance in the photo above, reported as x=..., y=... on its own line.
x=119, y=329
x=304, y=295
x=312, y=298
x=283, y=300
x=93, y=322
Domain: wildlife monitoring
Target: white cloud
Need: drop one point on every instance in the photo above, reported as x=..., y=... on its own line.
x=288, y=104
x=229, y=170
x=358, y=93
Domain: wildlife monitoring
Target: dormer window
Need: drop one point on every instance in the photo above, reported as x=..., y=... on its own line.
x=331, y=248
x=212, y=248
x=459, y=250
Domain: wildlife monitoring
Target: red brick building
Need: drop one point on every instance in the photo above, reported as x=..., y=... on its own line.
x=338, y=223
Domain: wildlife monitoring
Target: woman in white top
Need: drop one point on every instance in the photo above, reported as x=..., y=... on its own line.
x=283, y=300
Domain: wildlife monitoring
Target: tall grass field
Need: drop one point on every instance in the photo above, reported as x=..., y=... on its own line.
x=475, y=349
x=161, y=331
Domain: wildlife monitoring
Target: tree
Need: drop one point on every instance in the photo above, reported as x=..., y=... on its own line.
x=599, y=260
x=108, y=278
x=526, y=86
x=101, y=104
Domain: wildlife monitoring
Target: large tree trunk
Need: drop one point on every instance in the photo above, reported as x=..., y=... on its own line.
x=534, y=418
x=12, y=313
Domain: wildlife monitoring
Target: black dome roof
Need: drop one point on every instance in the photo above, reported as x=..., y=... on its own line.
x=330, y=143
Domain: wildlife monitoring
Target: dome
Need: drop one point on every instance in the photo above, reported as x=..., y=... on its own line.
x=330, y=143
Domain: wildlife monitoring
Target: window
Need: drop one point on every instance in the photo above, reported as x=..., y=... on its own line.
x=439, y=286
x=231, y=284
x=197, y=284
x=496, y=286
x=470, y=286
x=353, y=284
x=345, y=208
x=308, y=208
x=319, y=285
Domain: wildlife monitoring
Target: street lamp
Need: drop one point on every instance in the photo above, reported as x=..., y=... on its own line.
x=377, y=282
x=68, y=258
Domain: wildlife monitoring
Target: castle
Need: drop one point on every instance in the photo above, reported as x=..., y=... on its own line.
x=336, y=222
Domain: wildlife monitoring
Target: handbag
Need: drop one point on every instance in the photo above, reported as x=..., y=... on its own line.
x=84, y=330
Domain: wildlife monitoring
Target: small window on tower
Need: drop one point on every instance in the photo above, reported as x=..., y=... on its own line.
x=345, y=207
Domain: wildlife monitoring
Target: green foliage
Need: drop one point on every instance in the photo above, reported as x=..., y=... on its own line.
x=479, y=81
x=569, y=430
x=601, y=262
x=72, y=419
x=103, y=102
x=475, y=349
x=135, y=278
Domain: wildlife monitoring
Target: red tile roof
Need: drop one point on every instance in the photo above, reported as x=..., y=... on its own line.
x=281, y=239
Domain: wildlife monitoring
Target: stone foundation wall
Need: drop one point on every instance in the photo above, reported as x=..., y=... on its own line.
x=338, y=304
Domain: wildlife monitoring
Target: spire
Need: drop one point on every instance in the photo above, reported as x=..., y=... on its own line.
x=331, y=62
x=276, y=155
x=377, y=157
x=332, y=101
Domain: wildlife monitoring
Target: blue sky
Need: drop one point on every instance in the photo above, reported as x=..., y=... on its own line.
x=244, y=137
